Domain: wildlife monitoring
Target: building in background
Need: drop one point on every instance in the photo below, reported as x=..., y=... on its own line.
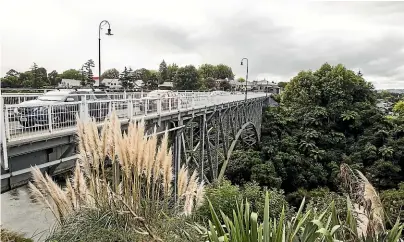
x=111, y=83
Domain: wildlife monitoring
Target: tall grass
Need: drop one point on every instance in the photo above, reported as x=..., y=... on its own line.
x=140, y=187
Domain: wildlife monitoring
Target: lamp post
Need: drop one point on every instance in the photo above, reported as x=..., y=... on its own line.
x=103, y=22
x=246, y=77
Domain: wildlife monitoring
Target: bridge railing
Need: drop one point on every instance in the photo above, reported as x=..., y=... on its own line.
x=30, y=120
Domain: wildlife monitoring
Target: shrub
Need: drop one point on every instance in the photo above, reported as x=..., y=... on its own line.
x=393, y=203
x=224, y=196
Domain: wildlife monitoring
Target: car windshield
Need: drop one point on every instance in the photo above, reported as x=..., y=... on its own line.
x=52, y=97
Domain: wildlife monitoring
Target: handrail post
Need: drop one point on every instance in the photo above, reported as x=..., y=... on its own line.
x=50, y=124
x=159, y=106
x=146, y=105
x=4, y=128
x=169, y=104
x=130, y=108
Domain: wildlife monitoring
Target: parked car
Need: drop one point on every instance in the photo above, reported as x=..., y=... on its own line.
x=216, y=93
x=36, y=111
x=165, y=95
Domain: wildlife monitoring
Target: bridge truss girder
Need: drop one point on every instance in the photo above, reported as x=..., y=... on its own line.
x=207, y=140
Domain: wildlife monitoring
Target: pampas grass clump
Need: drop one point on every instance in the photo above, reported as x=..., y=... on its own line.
x=141, y=182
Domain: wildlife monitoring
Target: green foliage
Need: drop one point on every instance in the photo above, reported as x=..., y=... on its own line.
x=71, y=74
x=149, y=77
x=54, y=78
x=206, y=71
x=110, y=74
x=172, y=70
x=393, y=202
x=187, y=78
x=87, y=73
x=39, y=76
x=282, y=84
x=225, y=197
x=327, y=117
x=240, y=79
x=126, y=78
x=244, y=225
x=163, y=73
x=225, y=85
x=223, y=72
x=399, y=108
x=105, y=225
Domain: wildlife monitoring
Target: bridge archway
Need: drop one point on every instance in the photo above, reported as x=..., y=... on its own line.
x=249, y=126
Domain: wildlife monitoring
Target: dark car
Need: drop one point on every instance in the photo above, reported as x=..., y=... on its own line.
x=64, y=104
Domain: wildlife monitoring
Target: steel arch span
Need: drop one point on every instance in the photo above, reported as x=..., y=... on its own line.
x=206, y=142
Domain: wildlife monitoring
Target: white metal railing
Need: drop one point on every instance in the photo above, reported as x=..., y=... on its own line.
x=23, y=121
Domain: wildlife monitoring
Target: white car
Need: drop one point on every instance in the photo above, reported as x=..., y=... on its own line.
x=218, y=93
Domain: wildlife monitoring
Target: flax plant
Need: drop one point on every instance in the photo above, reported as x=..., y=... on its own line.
x=141, y=182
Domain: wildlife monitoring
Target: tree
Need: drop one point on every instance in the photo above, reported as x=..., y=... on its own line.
x=225, y=85
x=223, y=72
x=110, y=74
x=26, y=79
x=11, y=79
x=39, y=75
x=206, y=71
x=327, y=117
x=187, y=78
x=240, y=79
x=399, y=108
x=54, y=78
x=172, y=70
x=126, y=79
x=163, y=72
x=88, y=73
x=71, y=74
x=149, y=78
x=282, y=84
x=210, y=83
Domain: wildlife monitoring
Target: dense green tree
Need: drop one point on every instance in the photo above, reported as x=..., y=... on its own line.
x=110, y=74
x=71, y=74
x=210, y=83
x=187, y=78
x=206, y=71
x=241, y=80
x=399, y=108
x=54, y=78
x=163, y=72
x=149, y=78
x=225, y=85
x=126, y=79
x=11, y=79
x=172, y=70
x=87, y=72
x=39, y=76
x=327, y=117
x=282, y=84
x=223, y=72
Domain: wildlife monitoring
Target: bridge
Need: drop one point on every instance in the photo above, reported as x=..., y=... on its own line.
x=204, y=129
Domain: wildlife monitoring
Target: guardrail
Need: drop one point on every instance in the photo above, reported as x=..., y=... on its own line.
x=28, y=120
x=17, y=98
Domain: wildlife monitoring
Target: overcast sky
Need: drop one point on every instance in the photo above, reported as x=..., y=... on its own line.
x=279, y=39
